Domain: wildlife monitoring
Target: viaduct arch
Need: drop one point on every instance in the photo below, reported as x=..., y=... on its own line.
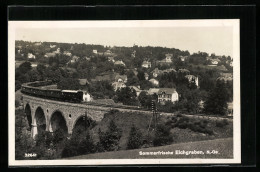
x=49, y=115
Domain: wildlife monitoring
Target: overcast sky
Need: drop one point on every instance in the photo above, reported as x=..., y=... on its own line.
x=218, y=40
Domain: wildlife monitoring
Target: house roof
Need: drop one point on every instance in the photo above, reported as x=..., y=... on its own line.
x=146, y=63
x=153, y=90
x=169, y=70
x=222, y=67
x=152, y=80
x=50, y=54
x=119, y=62
x=110, y=58
x=189, y=76
x=123, y=77
x=184, y=70
x=166, y=90
x=156, y=70
x=135, y=88
x=118, y=85
x=226, y=74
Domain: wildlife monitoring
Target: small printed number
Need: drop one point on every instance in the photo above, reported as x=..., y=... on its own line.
x=28, y=155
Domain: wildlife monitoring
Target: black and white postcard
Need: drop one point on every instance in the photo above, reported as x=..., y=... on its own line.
x=124, y=92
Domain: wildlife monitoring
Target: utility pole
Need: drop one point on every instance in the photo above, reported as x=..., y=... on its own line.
x=154, y=115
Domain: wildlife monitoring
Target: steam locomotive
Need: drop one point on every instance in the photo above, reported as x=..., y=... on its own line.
x=34, y=89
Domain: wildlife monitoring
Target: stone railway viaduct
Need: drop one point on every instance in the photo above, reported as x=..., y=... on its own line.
x=51, y=115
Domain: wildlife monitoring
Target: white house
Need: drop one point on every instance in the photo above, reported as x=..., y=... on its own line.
x=111, y=59
x=67, y=53
x=183, y=58
x=146, y=76
x=146, y=64
x=57, y=51
x=118, y=85
x=95, y=51
x=121, y=78
x=167, y=60
x=31, y=56
x=38, y=43
x=156, y=72
x=167, y=94
x=133, y=53
x=87, y=97
x=52, y=46
x=193, y=79
x=74, y=59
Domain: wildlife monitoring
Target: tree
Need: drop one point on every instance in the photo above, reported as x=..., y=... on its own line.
x=25, y=67
x=68, y=84
x=134, y=138
x=86, y=145
x=216, y=102
x=140, y=75
x=162, y=135
x=126, y=96
x=110, y=139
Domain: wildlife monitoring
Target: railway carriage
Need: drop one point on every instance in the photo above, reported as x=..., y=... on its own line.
x=33, y=89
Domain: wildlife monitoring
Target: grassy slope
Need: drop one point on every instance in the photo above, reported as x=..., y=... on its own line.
x=223, y=146
x=124, y=121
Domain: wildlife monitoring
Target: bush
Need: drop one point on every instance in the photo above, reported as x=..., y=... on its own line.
x=222, y=123
x=134, y=139
x=162, y=135
x=196, y=126
x=80, y=143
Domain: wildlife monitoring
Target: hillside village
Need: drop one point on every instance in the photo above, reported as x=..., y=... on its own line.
x=177, y=80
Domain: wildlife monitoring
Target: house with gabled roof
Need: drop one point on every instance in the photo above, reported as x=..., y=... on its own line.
x=182, y=58
x=118, y=85
x=146, y=64
x=137, y=89
x=156, y=72
x=167, y=94
x=30, y=56
x=193, y=79
x=121, y=78
x=111, y=59
x=167, y=60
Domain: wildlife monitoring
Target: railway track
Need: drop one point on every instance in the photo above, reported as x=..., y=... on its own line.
x=138, y=109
